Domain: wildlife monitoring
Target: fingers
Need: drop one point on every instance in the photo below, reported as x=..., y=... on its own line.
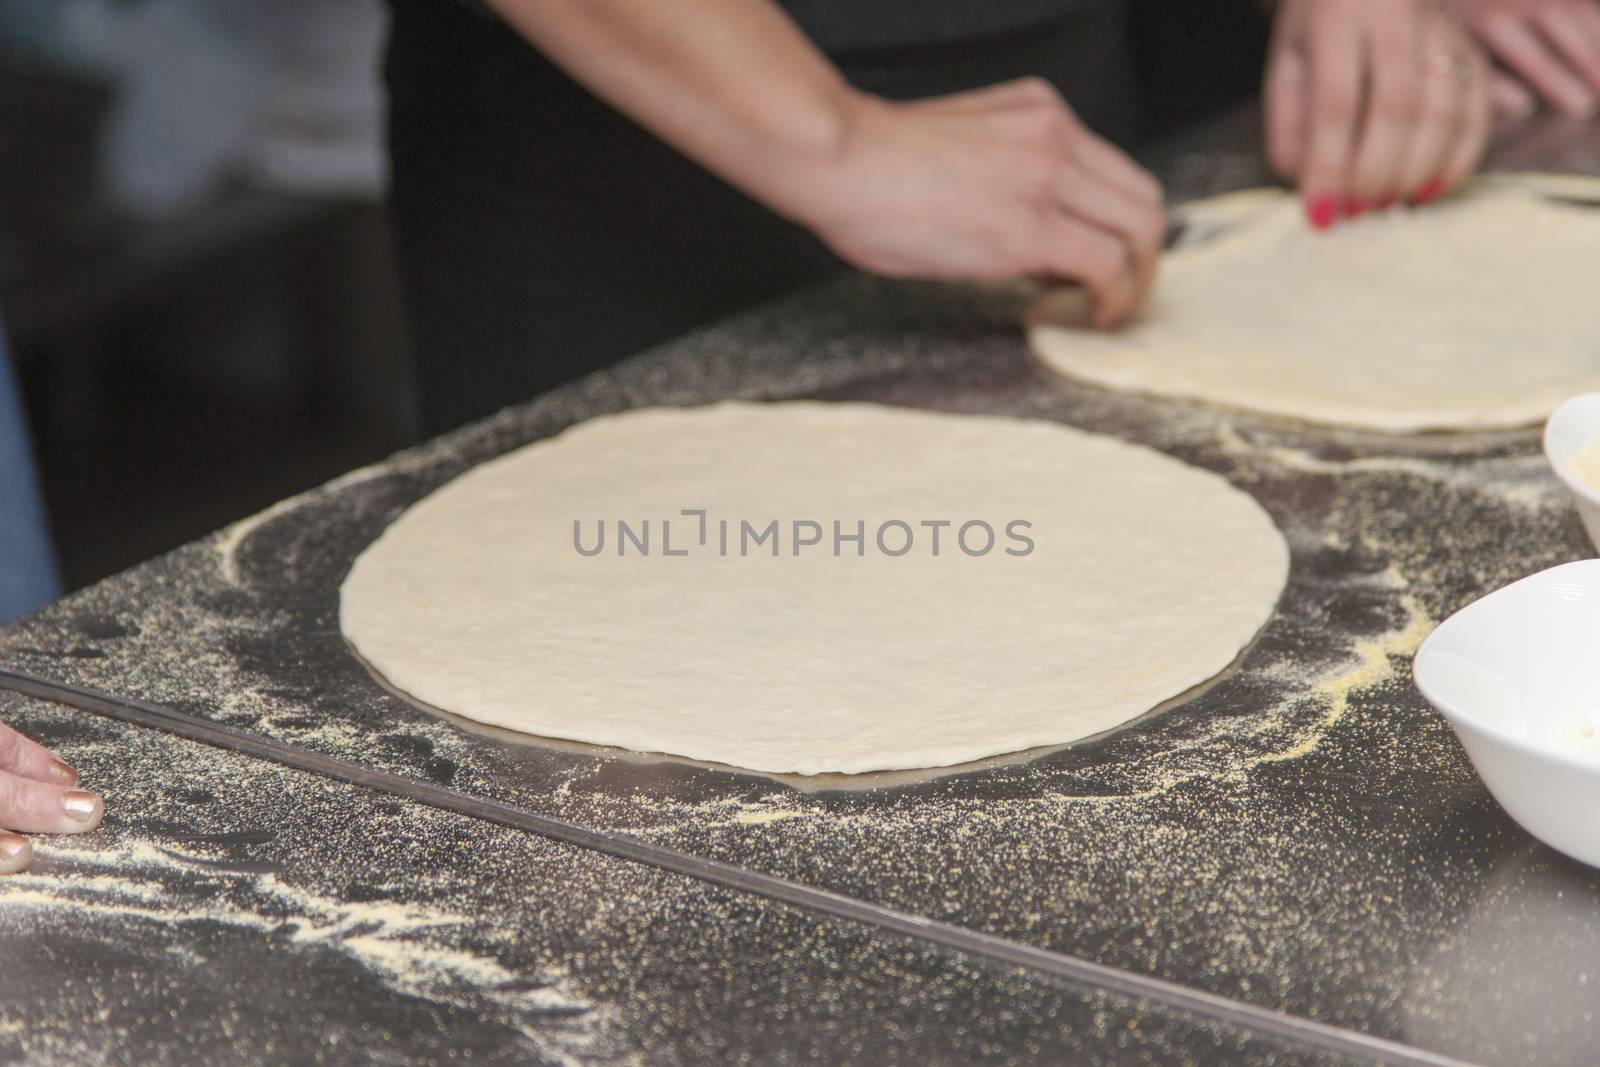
x=1521, y=49
x=15, y=853
x=1102, y=224
x=1587, y=14
x=1511, y=98
x=1073, y=250
x=1034, y=109
x=1478, y=124
x=1111, y=164
x=19, y=755
x=1457, y=115
x=1139, y=225
x=1440, y=124
x=1334, y=100
x=1108, y=232
x=36, y=795
x=1393, y=109
x=31, y=806
x=1371, y=103
x=1570, y=32
x=1283, y=97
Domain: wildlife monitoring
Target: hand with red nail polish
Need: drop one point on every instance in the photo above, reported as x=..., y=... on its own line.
x=38, y=794
x=1367, y=101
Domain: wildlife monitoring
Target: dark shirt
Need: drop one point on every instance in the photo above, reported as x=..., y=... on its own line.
x=842, y=27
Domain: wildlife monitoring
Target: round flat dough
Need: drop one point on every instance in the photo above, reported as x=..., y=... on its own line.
x=1478, y=312
x=1146, y=577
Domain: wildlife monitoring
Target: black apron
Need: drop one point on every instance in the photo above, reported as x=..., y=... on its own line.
x=542, y=235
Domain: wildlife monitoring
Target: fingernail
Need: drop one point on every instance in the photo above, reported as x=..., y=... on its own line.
x=11, y=847
x=61, y=774
x=1429, y=193
x=1355, y=207
x=1388, y=202
x=80, y=806
x=1322, y=212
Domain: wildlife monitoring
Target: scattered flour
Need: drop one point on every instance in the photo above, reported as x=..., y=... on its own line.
x=407, y=945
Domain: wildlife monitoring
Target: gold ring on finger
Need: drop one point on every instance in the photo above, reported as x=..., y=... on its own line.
x=1442, y=64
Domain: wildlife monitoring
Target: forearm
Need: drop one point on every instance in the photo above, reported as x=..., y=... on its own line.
x=990, y=183
x=732, y=84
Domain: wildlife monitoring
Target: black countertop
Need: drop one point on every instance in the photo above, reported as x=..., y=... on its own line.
x=1304, y=837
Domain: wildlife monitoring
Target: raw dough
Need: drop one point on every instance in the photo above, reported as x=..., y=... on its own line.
x=1478, y=312
x=1147, y=577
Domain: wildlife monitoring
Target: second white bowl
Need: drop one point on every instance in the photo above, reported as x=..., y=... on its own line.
x=1517, y=674
x=1574, y=426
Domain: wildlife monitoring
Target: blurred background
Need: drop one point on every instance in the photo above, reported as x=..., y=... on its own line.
x=194, y=277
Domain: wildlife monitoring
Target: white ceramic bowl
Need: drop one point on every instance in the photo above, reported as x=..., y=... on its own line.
x=1573, y=427
x=1517, y=674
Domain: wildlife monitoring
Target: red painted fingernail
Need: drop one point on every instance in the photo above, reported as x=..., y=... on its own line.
x=1388, y=202
x=1430, y=192
x=1355, y=207
x=1322, y=212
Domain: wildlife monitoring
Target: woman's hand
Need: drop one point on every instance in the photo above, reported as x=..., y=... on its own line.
x=999, y=182
x=993, y=183
x=38, y=795
x=1550, y=49
x=1370, y=102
